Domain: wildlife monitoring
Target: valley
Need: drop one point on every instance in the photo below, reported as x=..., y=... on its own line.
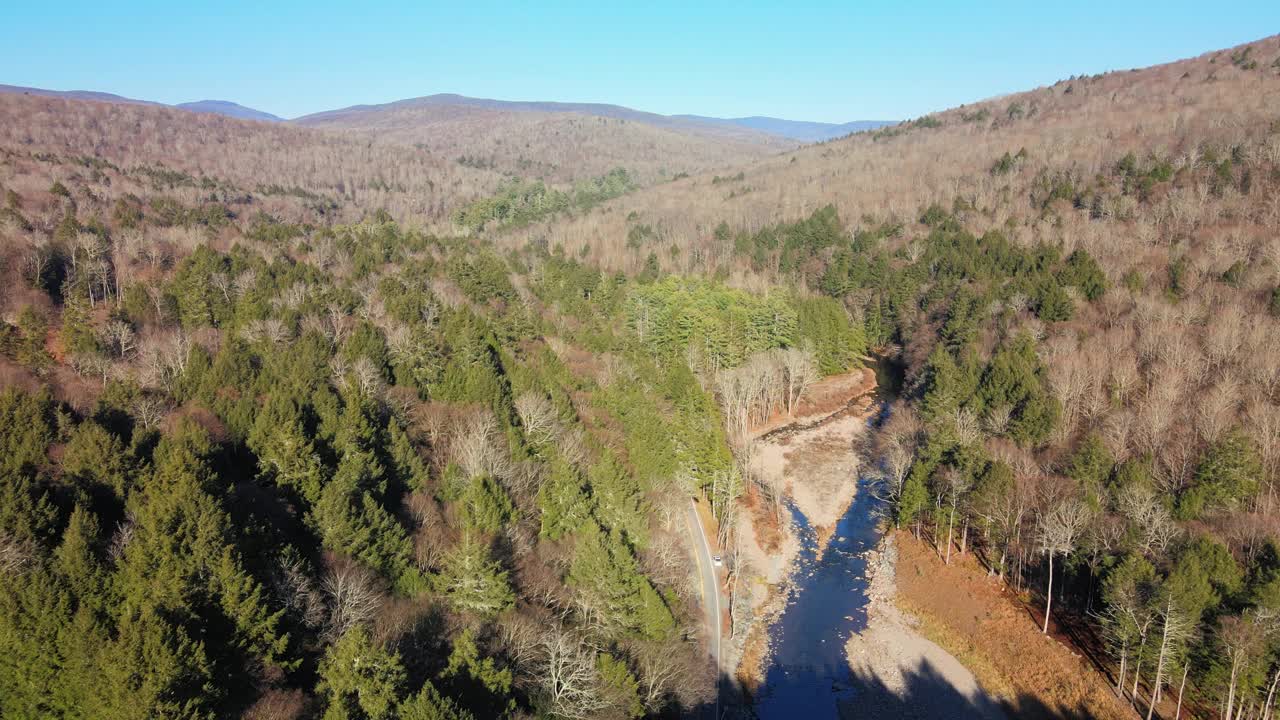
x=459, y=408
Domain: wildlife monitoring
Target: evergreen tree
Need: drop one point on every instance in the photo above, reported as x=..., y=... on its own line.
x=360, y=680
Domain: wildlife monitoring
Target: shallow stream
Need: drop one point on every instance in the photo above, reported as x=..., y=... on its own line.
x=808, y=672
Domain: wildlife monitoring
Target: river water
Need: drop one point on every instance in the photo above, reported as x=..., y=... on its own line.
x=808, y=672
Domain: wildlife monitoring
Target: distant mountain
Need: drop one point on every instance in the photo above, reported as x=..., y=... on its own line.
x=217, y=107
x=230, y=109
x=797, y=130
x=678, y=123
x=555, y=141
x=756, y=129
x=802, y=130
x=74, y=94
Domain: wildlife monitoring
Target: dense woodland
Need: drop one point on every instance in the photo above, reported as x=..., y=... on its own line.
x=353, y=470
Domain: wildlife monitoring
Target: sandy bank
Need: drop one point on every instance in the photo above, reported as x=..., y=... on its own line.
x=900, y=672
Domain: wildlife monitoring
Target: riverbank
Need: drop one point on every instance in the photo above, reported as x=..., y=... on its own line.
x=897, y=667
x=978, y=619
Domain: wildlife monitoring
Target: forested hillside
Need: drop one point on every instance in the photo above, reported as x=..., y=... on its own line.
x=297, y=424
x=300, y=467
x=554, y=142
x=1083, y=282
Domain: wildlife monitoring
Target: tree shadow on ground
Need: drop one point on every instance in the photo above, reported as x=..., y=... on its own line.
x=926, y=694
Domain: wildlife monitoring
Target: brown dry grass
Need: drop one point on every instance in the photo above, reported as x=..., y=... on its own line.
x=974, y=618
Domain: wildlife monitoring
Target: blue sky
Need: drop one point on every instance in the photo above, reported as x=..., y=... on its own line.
x=829, y=61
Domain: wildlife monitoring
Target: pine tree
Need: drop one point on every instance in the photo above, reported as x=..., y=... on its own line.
x=360, y=680
x=474, y=582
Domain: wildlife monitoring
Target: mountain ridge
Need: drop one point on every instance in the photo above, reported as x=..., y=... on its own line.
x=801, y=130
x=230, y=109
x=805, y=131
x=216, y=107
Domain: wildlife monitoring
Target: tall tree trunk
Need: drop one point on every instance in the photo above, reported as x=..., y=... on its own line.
x=1137, y=671
x=964, y=536
x=937, y=526
x=1271, y=695
x=1231, y=689
x=951, y=521
x=1124, y=663
x=1155, y=685
x=1048, y=597
x=1181, y=686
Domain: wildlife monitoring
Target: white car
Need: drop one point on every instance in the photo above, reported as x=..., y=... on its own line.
x=717, y=561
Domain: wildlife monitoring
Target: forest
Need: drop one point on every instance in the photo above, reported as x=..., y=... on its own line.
x=1109, y=447
x=298, y=424
x=354, y=470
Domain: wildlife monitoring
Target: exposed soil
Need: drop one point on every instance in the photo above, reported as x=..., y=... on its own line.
x=978, y=619
x=821, y=400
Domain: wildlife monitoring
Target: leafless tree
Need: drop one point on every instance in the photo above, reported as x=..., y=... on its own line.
x=352, y=594
x=164, y=359
x=801, y=370
x=956, y=485
x=660, y=670
x=537, y=417
x=121, y=338
x=149, y=410
x=14, y=555
x=479, y=448
x=121, y=538
x=996, y=420
x=1216, y=408
x=368, y=378
x=1057, y=533
x=965, y=425
x=1148, y=513
x=1176, y=628
x=567, y=674
x=1243, y=639
x=297, y=592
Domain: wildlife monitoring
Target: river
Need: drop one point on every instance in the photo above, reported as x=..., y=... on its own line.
x=808, y=672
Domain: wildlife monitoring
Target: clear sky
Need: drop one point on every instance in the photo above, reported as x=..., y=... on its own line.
x=829, y=61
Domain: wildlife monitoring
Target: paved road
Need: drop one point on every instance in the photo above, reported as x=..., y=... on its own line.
x=711, y=601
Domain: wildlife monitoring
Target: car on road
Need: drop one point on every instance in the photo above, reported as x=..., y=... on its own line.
x=717, y=561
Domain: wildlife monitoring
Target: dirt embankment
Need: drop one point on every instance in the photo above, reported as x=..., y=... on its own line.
x=977, y=618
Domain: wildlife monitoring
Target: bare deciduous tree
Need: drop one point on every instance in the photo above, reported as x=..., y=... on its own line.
x=567, y=674
x=479, y=448
x=352, y=594
x=1057, y=532
x=801, y=369
x=537, y=417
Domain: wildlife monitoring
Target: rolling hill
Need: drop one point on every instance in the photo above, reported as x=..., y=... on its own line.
x=1081, y=125
x=230, y=109
x=216, y=107
x=556, y=141
x=187, y=150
